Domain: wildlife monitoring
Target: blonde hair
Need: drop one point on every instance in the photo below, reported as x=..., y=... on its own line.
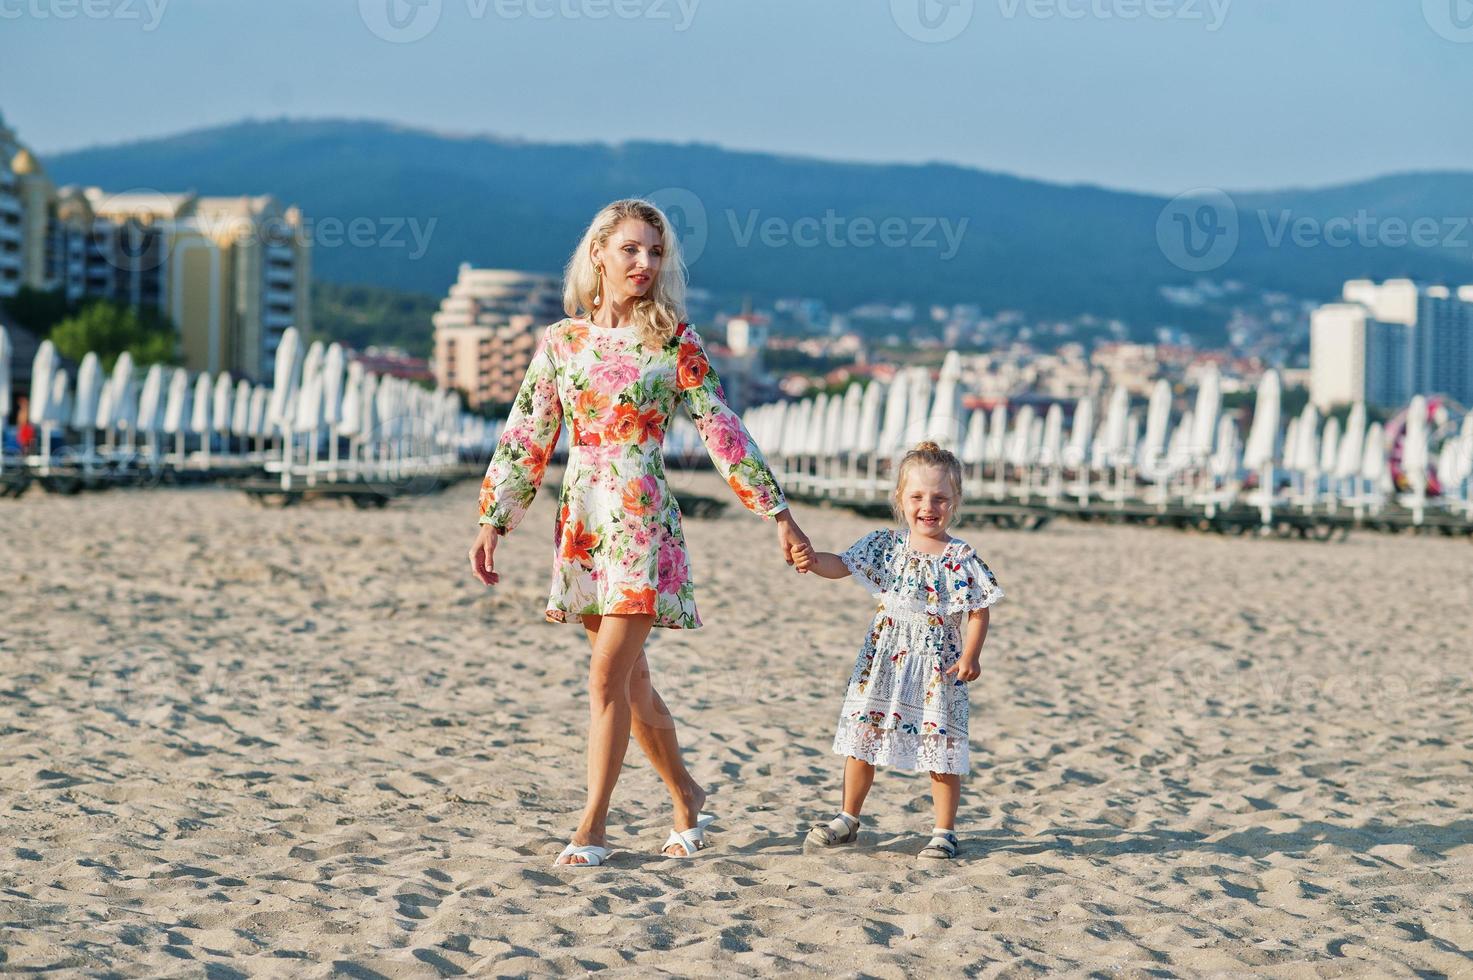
x=659, y=312
x=926, y=453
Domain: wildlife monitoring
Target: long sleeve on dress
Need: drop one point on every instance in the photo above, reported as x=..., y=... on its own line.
x=731, y=447
x=520, y=460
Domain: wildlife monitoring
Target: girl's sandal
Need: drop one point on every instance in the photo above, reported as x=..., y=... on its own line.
x=941, y=848
x=825, y=836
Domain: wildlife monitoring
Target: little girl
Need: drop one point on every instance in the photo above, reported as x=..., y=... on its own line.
x=906, y=705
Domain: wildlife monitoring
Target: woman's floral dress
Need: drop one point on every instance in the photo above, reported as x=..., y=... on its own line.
x=901, y=709
x=619, y=544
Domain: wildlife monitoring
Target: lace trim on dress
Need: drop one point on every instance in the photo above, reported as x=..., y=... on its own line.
x=903, y=750
x=857, y=570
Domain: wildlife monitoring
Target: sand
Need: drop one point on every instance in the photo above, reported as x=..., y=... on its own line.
x=247, y=742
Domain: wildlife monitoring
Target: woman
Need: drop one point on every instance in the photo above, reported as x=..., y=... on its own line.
x=615, y=369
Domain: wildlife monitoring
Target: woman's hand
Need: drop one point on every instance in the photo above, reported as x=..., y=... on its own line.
x=804, y=557
x=481, y=555
x=790, y=536
x=967, y=669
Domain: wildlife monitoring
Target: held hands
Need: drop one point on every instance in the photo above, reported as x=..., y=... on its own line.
x=804, y=557
x=792, y=538
x=967, y=669
x=481, y=554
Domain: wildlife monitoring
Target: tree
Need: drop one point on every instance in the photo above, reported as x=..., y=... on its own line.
x=110, y=328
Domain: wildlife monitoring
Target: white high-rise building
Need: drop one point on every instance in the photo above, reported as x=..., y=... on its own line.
x=1388, y=342
x=486, y=330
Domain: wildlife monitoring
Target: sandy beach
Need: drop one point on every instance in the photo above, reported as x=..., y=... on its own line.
x=244, y=742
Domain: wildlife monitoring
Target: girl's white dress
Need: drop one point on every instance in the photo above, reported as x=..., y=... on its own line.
x=901, y=709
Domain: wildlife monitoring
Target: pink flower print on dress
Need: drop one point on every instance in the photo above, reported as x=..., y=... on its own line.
x=673, y=569
x=725, y=437
x=614, y=373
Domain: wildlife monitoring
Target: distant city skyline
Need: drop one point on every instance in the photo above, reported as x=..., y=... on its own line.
x=1155, y=96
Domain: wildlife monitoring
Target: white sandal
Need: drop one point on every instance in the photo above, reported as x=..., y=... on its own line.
x=592, y=855
x=692, y=840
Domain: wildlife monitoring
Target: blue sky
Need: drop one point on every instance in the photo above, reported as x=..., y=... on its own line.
x=1153, y=95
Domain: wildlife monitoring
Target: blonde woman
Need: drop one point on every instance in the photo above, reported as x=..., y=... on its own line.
x=615, y=370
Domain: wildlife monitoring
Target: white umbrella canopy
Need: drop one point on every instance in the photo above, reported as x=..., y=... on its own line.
x=257, y=425
x=176, y=406
x=851, y=412
x=1020, y=443
x=240, y=413
x=90, y=382
x=287, y=376
x=818, y=425
x=1263, y=434
x=943, y=425
x=826, y=426
x=1291, y=443
x=1414, y=454
x=1209, y=405
x=1465, y=447
x=1306, y=455
x=59, y=405
x=199, y=416
x=351, y=421
x=1112, y=440
x=974, y=445
x=1076, y=454
x=1158, y=419
x=332, y=383
x=151, y=399
x=918, y=413
x=897, y=404
x=224, y=398
x=386, y=408
x=5, y=355
x=870, y=416
x=309, y=402
x=1449, y=466
x=1227, y=454
x=1373, y=462
x=1330, y=445
x=1132, y=435
x=1352, y=443
x=42, y=366
x=997, y=433
x=123, y=405
x=1051, y=448
x=1179, y=449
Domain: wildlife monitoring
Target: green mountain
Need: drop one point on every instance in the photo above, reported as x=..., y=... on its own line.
x=776, y=225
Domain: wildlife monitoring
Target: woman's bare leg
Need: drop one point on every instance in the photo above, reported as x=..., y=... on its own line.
x=654, y=730
x=616, y=649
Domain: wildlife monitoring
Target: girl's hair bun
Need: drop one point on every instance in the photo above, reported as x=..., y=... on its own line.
x=928, y=447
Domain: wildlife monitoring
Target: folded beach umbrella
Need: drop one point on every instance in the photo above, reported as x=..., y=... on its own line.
x=257, y=425
x=1352, y=443
x=59, y=405
x=1081, y=431
x=1158, y=419
x=151, y=400
x=124, y=401
x=332, y=384
x=918, y=412
x=1179, y=451
x=1373, y=462
x=1228, y=452
x=42, y=366
x=224, y=396
x=1051, y=450
x=851, y=413
x=974, y=446
x=351, y=421
x=199, y=415
x=997, y=434
x=1209, y=405
x=871, y=410
x=90, y=382
x=1330, y=446
x=5, y=350
x=176, y=404
x=943, y=425
x=897, y=403
x=286, y=378
x=1112, y=438
x=1020, y=445
x=1414, y=453
x=1263, y=434
x=1307, y=447
x=1291, y=443
x=240, y=411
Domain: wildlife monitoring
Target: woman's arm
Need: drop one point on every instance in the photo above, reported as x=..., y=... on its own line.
x=731, y=447
x=525, y=447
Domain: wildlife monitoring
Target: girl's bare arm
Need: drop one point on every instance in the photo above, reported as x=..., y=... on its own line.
x=823, y=563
